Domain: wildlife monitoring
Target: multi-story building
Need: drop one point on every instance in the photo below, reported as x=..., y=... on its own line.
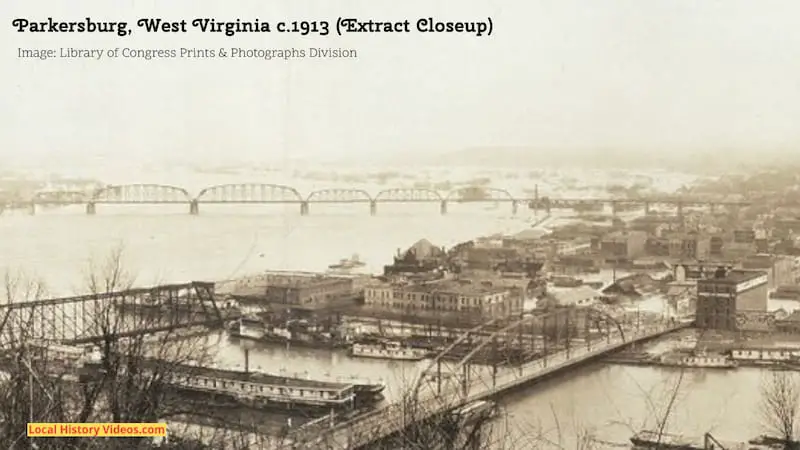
x=487, y=258
x=308, y=292
x=780, y=269
x=625, y=245
x=730, y=294
x=744, y=236
x=461, y=296
x=689, y=246
x=716, y=246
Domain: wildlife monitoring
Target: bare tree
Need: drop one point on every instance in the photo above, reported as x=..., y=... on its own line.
x=780, y=405
x=131, y=384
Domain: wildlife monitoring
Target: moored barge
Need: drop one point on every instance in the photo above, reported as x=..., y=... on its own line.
x=389, y=350
x=256, y=330
x=265, y=390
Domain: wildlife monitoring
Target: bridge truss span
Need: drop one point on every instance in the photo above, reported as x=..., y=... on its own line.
x=499, y=356
x=141, y=193
x=60, y=198
x=339, y=196
x=474, y=363
x=90, y=318
x=480, y=194
x=249, y=193
x=409, y=195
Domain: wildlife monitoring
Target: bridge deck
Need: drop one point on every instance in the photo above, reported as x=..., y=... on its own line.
x=389, y=419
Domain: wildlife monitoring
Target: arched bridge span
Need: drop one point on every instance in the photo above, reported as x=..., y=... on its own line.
x=60, y=198
x=252, y=193
x=140, y=193
x=479, y=194
x=339, y=196
x=408, y=195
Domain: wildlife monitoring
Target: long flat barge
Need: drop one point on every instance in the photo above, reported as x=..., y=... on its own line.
x=254, y=388
x=265, y=390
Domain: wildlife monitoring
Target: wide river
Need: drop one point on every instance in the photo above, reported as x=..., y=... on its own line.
x=166, y=244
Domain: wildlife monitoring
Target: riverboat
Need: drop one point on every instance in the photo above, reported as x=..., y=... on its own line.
x=247, y=328
x=257, y=331
x=65, y=361
x=368, y=392
x=632, y=359
x=353, y=262
x=698, y=360
x=266, y=390
x=766, y=356
x=388, y=350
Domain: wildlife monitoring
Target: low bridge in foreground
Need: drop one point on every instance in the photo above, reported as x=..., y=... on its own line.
x=562, y=340
x=124, y=313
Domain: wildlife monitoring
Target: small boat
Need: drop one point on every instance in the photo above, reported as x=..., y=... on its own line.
x=697, y=360
x=687, y=343
x=248, y=328
x=631, y=358
x=368, y=393
x=346, y=264
x=388, y=350
x=477, y=410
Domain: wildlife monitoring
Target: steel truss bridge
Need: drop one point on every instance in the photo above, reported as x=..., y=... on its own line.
x=264, y=193
x=554, y=342
x=91, y=318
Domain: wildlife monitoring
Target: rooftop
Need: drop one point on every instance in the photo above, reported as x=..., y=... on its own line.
x=308, y=282
x=572, y=296
x=733, y=276
x=456, y=287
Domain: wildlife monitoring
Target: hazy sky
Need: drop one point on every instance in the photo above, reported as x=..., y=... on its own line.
x=655, y=74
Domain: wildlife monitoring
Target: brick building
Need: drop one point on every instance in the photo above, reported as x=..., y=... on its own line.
x=780, y=269
x=308, y=292
x=461, y=296
x=623, y=246
x=728, y=294
x=689, y=246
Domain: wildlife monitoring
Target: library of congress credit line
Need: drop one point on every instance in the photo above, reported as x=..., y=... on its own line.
x=186, y=53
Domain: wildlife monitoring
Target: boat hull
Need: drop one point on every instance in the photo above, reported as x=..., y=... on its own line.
x=388, y=356
x=274, y=339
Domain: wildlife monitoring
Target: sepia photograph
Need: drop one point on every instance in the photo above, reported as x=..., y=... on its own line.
x=409, y=225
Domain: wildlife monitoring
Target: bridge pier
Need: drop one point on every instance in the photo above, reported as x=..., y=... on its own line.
x=443, y=207
x=194, y=208
x=32, y=209
x=614, y=208
x=373, y=207
x=712, y=207
x=514, y=207
x=303, y=208
x=91, y=208
x=646, y=208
